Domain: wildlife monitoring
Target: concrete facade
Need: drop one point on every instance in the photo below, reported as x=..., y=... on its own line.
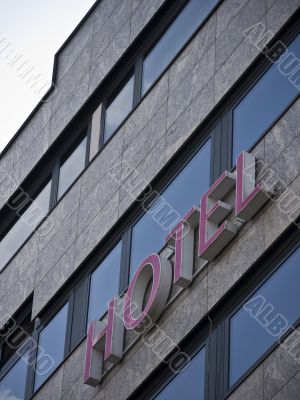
x=188, y=91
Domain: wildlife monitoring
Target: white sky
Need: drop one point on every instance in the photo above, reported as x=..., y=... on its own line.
x=36, y=29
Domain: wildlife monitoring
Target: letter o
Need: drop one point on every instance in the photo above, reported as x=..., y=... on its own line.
x=159, y=270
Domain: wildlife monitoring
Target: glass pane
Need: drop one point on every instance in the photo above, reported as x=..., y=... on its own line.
x=118, y=109
x=262, y=105
x=104, y=284
x=23, y=228
x=71, y=168
x=12, y=386
x=252, y=332
x=51, y=347
x=150, y=231
x=189, y=384
x=174, y=38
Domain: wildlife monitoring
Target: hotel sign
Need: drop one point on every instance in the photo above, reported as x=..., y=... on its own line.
x=105, y=340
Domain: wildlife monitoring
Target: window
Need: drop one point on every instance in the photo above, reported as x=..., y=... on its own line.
x=149, y=232
x=173, y=40
x=15, y=337
x=13, y=385
x=25, y=225
x=104, y=284
x=255, y=327
x=188, y=384
x=51, y=348
x=118, y=109
x=72, y=168
x=263, y=104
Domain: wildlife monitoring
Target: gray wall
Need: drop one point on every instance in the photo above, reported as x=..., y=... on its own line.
x=187, y=92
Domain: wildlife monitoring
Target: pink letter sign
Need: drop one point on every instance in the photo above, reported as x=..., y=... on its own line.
x=104, y=342
x=154, y=275
x=158, y=271
x=249, y=197
x=182, y=237
x=212, y=237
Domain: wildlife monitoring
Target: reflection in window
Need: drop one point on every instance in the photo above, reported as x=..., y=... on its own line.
x=149, y=232
x=118, y=109
x=72, y=168
x=51, y=347
x=174, y=38
x=188, y=384
x=263, y=104
x=254, y=328
x=25, y=225
x=12, y=386
x=104, y=284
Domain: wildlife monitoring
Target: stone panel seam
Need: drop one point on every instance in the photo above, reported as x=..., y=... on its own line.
x=240, y=42
x=110, y=42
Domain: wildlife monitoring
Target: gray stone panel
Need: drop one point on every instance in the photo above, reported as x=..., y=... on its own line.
x=144, y=142
x=109, y=158
x=232, y=36
x=182, y=93
x=91, y=236
x=56, y=247
x=75, y=47
x=69, y=108
x=52, y=282
x=52, y=390
x=196, y=52
x=226, y=13
x=252, y=388
x=279, y=368
x=107, y=31
x=110, y=55
x=142, y=13
x=279, y=13
x=138, y=180
x=233, y=68
x=146, y=109
x=24, y=260
x=56, y=219
x=30, y=155
x=190, y=119
x=75, y=74
x=235, y=260
x=283, y=132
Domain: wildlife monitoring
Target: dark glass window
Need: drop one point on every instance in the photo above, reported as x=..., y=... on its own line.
x=254, y=328
x=71, y=168
x=52, y=344
x=263, y=104
x=25, y=225
x=104, y=284
x=118, y=109
x=188, y=384
x=186, y=189
x=174, y=38
x=15, y=340
x=12, y=386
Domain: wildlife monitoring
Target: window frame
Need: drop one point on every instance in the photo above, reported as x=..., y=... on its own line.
x=251, y=80
x=96, y=266
x=33, y=350
x=162, y=23
x=13, y=361
x=159, y=379
x=111, y=95
x=169, y=379
x=33, y=186
x=272, y=262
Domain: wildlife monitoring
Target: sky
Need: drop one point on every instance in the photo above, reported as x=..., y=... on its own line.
x=31, y=32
